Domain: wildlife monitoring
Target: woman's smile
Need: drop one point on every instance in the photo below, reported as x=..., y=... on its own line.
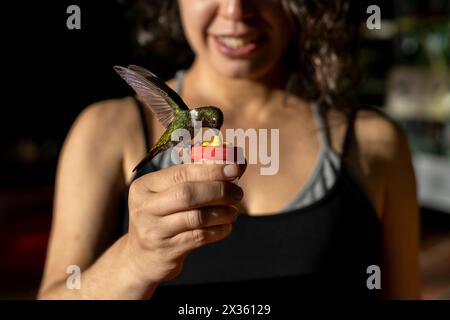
x=237, y=46
x=237, y=39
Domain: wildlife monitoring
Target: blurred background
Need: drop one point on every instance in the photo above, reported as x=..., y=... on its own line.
x=53, y=73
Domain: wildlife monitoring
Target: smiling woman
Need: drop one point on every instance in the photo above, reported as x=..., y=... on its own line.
x=342, y=202
x=238, y=51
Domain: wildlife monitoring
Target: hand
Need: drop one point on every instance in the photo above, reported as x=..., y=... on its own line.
x=176, y=210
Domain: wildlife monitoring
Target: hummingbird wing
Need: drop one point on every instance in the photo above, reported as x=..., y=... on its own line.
x=153, y=92
x=151, y=77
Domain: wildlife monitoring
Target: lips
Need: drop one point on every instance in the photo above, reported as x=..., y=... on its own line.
x=237, y=46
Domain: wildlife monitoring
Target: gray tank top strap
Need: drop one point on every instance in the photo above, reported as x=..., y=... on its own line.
x=179, y=77
x=320, y=125
x=326, y=169
x=324, y=135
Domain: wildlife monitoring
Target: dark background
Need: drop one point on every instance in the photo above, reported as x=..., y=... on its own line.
x=51, y=73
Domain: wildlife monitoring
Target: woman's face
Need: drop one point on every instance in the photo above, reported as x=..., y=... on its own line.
x=237, y=38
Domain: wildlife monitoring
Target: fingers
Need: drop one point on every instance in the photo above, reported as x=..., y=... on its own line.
x=192, y=239
x=193, y=195
x=179, y=222
x=166, y=178
x=183, y=207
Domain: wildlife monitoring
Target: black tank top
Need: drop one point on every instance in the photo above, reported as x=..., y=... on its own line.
x=321, y=250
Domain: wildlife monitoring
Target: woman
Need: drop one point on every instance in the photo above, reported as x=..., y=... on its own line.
x=342, y=201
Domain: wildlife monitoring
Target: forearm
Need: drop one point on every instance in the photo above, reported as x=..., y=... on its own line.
x=110, y=277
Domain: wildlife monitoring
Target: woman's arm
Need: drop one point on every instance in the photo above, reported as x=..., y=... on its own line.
x=400, y=214
x=109, y=277
x=89, y=184
x=383, y=163
x=384, y=159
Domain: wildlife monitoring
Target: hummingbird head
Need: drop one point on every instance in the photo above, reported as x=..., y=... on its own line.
x=211, y=117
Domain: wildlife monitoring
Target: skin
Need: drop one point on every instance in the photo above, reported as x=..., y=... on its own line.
x=169, y=214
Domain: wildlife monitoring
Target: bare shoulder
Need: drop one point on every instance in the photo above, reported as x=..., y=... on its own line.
x=108, y=118
x=377, y=150
x=381, y=148
x=375, y=132
x=378, y=135
x=106, y=134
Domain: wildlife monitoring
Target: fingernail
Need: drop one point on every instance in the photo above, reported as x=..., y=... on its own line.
x=230, y=170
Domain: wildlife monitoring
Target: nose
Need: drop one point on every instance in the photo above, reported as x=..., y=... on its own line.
x=234, y=9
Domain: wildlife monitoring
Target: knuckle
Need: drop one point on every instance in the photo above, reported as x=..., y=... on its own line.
x=180, y=174
x=161, y=245
x=199, y=236
x=133, y=190
x=152, y=241
x=138, y=185
x=137, y=196
x=153, y=238
x=141, y=238
x=220, y=189
x=133, y=187
x=143, y=235
x=194, y=218
x=184, y=194
x=138, y=210
x=135, y=208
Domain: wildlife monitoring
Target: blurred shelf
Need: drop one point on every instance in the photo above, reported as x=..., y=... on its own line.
x=433, y=181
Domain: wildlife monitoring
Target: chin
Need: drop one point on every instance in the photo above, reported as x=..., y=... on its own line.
x=243, y=69
x=235, y=72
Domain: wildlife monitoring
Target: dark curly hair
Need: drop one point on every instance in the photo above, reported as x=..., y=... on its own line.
x=322, y=57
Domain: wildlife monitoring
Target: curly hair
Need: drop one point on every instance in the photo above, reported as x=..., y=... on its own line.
x=322, y=56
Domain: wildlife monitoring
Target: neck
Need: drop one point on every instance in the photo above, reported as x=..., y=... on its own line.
x=246, y=93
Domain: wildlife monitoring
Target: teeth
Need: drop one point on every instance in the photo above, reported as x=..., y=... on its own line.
x=233, y=42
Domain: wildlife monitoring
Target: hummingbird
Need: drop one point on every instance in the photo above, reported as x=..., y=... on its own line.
x=169, y=108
